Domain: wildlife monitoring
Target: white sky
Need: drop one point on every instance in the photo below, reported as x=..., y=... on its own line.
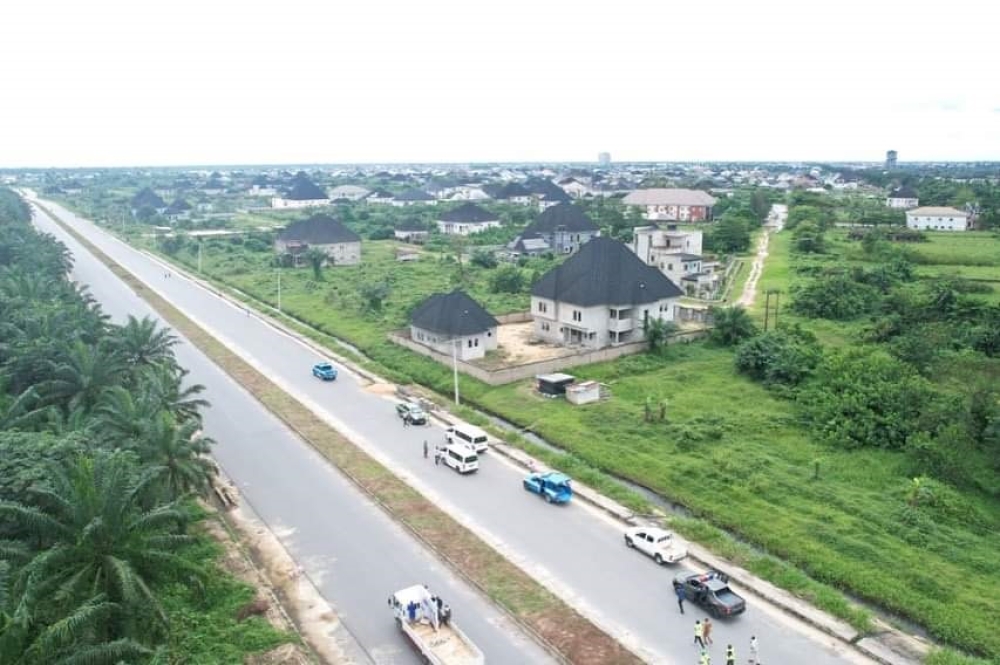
x=99, y=82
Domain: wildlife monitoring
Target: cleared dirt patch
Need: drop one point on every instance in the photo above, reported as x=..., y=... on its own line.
x=518, y=347
x=540, y=612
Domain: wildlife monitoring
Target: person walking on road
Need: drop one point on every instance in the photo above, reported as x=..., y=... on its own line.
x=425, y=448
x=754, y=653
x=705, y=658
x=730, y=655
x=680, y=597
x=406, y=421
x=699, y=632
x=706, y=628
x=437, y=455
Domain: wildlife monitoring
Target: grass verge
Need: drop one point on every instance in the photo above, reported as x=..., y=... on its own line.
x=563, y=629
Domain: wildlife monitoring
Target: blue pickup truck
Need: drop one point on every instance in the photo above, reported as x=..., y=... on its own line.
x=325, y=371
x=552, y=486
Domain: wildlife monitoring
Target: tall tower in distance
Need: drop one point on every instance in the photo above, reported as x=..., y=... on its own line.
x=604, y=158
x=890, y=160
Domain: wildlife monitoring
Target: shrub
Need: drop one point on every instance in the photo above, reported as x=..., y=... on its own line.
x=837, y=297
x=778, y=356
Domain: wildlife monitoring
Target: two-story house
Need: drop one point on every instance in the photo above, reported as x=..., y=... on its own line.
x=676, y=252
x=454, y=324
x=466, y=219
x=601, y=296
x=348, y=193
x=672, y=205
x=339, y=243
x=937, y=218
x=413, y=197
x=564, y=228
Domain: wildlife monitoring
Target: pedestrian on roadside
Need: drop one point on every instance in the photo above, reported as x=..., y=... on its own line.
x=406, y=421
x=705, y=659
x=699, y=634
x=679, y=590
x=754, y=653
x=425, y=448
x=730, y=655
x=706, y=628
x=437, y=455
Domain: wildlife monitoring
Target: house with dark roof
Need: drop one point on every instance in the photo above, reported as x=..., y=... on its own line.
x=466, y=219
x=147, y=198
x=177, y=210
x=903, y=198
x=349, y=192
x=454, y=324
x=564, y=228
x=303, y=193
x=411, y=230
x=413, y=197
x=512, y=192
x=546, y=192
x=381, y=196
x=601, y=296
x=339, y=243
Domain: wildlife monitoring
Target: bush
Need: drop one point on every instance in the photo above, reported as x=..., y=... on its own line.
x=779, y=356
x=508, y=279
x=837, y=297
x=484, y=259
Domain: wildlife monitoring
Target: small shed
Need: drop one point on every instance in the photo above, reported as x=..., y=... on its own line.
x=553, y=385
x=584, y=393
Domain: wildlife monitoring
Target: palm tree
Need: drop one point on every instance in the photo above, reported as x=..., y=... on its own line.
x=99, y=532
x=17, y=410
x=167, y=390
x=731, y=325
x=178, y=456
x=316, y=258
x=142, y=343
x=122, y=415
x=81, y=375
x=657, y=331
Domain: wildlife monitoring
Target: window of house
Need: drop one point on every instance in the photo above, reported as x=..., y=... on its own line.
x=477, y=341
x=577, y=315
x=470, y=343
x=670, y=266
x=489, y=333
x=542, y=307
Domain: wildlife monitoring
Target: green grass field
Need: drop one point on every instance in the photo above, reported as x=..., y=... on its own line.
x=730, y=450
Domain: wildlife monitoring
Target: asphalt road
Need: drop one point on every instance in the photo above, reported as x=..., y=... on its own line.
x=352, y=551
x=574, y=549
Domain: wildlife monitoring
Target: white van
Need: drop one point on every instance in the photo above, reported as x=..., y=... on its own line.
x=460, y=457
x=471, y=436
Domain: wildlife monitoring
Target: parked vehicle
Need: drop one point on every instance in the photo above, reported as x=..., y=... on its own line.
x=552, y=486
x=469, y=435
x=659, y=544
x=325, y=371
x=411, y=413
x=711, y=591
x=426, y=620
x=460, y=457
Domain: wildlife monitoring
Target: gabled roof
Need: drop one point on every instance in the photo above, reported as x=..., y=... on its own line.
x=605, y=272
x=414, y=195
x=318, y=230
x=469, y=213
x=381, y=194
x=681, y=197
x=346, y=190
x=561, y=217
x=452, y=314
x=304, y=189
x=902, y=193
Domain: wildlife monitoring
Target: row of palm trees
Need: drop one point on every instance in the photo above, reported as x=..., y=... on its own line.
x=89, y=539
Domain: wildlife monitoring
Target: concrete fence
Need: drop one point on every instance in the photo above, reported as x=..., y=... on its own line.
x=498, y=377
x=516, y=317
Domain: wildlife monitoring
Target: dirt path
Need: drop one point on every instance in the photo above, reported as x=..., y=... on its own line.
x=775, y=222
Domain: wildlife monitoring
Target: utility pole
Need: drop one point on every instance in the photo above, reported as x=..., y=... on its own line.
x=767, y=306
x=279, y=291
x=454, y=366
x=199, y=255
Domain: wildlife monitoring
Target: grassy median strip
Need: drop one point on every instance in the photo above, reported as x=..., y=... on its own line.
x=566, y=632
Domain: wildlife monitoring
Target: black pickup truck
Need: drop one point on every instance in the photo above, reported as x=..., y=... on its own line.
x=710, y=591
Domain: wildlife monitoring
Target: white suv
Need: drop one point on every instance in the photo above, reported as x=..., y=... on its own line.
x=659, y=544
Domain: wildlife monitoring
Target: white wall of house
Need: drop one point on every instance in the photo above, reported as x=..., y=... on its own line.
x=595, y=327
x=576, y=189
x=469, y=347
x=937, y=222
x=278, y=202
x=349, y=192
x=341, y=253
x=466, y=228
x=650, y=243
x=901, y=204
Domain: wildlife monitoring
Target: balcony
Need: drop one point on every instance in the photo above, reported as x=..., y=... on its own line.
x=621, y=325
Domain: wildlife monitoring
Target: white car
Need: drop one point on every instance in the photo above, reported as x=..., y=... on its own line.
x=659, y=544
